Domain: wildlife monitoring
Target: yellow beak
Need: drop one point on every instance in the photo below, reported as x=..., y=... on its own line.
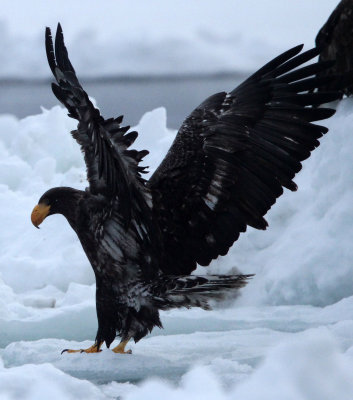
x=39, y=213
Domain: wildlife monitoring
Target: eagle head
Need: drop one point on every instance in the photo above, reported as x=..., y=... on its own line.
x=60, y=200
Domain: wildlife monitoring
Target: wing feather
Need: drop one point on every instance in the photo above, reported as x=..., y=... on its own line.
x=112, y=168
x=233, y=156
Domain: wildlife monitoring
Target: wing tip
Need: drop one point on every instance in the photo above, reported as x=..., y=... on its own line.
x=59, y=31
x=299, y=47
x=49, y=48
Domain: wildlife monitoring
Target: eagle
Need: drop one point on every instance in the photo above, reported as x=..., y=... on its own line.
x=229, y=162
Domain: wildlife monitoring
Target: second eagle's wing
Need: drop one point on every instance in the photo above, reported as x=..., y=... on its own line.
x=112, y=169
x=232, y=157
x=335, y=43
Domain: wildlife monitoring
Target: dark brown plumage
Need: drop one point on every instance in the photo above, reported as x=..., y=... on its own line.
x=335, y=42
x=228, y=164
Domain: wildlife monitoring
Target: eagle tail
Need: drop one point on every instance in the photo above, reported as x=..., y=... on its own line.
x=196, y=291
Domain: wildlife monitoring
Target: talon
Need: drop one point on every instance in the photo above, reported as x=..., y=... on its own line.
x=93, y=349
x=120, y=348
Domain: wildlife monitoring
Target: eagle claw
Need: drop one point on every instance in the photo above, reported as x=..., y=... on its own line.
x=93, y=349
x=120, y=348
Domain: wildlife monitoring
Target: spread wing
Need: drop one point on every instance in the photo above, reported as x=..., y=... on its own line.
x=112, y=169
x=335, y=43
x=232, y=157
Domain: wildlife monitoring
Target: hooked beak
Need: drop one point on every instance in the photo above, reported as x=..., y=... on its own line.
x=39, y=213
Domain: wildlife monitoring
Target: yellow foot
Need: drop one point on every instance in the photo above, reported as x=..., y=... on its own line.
x=93, y=349
x=120, y=348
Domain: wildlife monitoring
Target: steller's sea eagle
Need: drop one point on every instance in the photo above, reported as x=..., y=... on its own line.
x=225, y=169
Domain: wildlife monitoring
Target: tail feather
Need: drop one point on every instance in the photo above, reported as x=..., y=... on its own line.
x=195, y=291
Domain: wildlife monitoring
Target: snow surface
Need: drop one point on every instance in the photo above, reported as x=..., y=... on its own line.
x=289, y=335
x=138, y=37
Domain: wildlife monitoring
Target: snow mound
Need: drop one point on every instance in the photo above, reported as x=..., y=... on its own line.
x=40, y=382
x=307, y=367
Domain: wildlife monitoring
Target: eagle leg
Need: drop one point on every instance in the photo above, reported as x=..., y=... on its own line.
x=120, y=348
x=96, y=348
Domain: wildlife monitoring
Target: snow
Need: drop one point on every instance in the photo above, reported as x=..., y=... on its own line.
x=316, y=371
x=116, y=37
x=289, y=335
